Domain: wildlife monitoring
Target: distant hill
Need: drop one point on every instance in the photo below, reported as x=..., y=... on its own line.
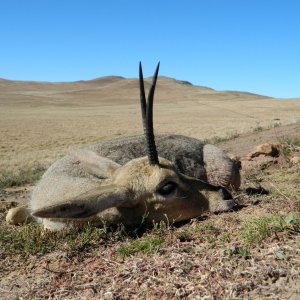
x=108, y=89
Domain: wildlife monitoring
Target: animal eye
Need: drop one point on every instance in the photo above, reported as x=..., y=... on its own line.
x=168, y=188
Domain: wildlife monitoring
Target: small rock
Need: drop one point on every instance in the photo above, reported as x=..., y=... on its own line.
x=266, y=150
x=295, y=160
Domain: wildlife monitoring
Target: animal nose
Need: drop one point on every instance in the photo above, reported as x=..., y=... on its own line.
x=225, y=194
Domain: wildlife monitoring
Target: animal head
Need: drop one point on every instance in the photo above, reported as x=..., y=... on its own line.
x=150, y=182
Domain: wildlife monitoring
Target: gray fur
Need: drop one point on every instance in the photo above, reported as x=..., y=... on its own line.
x=189, y=155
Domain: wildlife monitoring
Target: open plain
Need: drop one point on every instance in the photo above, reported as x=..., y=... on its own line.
x=40, y=120
x=249, y=253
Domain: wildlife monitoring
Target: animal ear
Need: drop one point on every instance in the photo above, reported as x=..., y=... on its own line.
x=94, y=164
x=87, y=204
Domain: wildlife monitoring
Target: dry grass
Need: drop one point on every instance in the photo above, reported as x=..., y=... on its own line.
x=21, y=177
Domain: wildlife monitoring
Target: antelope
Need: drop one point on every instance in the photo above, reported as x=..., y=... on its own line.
x=114, y=182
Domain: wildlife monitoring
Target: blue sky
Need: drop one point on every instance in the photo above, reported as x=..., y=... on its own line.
x=248, y=45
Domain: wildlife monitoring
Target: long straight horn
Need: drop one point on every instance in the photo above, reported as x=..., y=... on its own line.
x=142, y=96
x=147, y=115
x=152, y=153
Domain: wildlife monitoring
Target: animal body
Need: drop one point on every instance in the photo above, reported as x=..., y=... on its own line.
x=114, y=182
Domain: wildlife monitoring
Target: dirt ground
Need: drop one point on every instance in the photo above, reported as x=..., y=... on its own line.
x=251, y=252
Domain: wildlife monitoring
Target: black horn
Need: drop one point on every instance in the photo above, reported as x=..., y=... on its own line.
x=147, y=115
x=142, y=96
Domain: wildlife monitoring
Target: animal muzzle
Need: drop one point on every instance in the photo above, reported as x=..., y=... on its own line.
x=223, y=201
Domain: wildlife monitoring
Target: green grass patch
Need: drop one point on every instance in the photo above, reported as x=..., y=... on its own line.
x=288, y=144
x=145, y=245
x=32, y=239
x=286, y=175
x=281, y=182
x=225, y=237
x=28, y=239
x=20, y=177
x=255, y=231
x=286, y=151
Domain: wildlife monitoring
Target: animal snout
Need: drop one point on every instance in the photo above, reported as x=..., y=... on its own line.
x=224, y=201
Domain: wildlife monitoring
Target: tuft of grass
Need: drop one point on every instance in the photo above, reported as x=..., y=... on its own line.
x=278, y=180
x=145, y=245
x=291, y=141
x=160, y=228
x=29, y=239
x=21, y=177
x=225, y=237
x=289, y=144
x=255, y=231
x=286, y=151
x=77, y=240
x=32, y=239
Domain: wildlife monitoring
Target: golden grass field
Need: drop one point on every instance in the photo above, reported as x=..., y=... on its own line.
x=39, y=121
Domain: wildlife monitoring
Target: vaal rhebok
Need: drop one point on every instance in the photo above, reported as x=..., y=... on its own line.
x=131, y=180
